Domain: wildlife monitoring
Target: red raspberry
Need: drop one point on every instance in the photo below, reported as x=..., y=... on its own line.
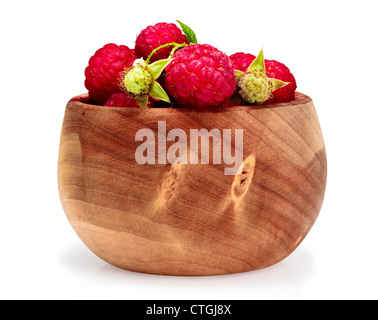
x=277, y=70
x=155, y=36
x=200, y=76
x=242, y=60
x=121, y=100
x=104, y=70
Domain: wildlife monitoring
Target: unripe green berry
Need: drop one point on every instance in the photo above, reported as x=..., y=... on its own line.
x=138, y=80
x=255, y=87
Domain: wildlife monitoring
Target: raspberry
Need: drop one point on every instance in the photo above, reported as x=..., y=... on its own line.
x=274, y=69
x=242, y=60
x=155, y=36
x=277, y=70
x=103, y=73
x=200, y=76
x=121, y=100
x=255, y=87
x=138, y=80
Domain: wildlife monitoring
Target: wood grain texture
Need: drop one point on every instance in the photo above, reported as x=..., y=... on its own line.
x=192, y=219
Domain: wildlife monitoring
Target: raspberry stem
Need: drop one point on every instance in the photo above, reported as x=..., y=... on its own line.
x=176, y=46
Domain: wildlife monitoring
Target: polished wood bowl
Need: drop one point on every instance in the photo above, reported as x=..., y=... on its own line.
x=192, y=219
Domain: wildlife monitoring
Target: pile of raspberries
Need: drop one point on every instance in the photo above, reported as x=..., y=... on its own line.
x=199, y=76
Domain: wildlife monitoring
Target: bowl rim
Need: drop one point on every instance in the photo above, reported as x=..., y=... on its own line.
x=83, y=100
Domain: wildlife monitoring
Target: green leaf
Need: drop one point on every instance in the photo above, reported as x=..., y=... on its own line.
x=238, y=75
x=157, y=67
x=258, y=63
x=158, y=92
x=142, y=101
x=277, y=83
x=188, y=32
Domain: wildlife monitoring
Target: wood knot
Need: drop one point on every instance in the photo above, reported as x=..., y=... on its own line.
x=243, y=180
x=169, y=183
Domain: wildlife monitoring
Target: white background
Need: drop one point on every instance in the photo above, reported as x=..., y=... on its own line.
x=331, y=48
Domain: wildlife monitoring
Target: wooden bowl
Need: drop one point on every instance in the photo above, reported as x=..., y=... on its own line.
x=192, y=219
